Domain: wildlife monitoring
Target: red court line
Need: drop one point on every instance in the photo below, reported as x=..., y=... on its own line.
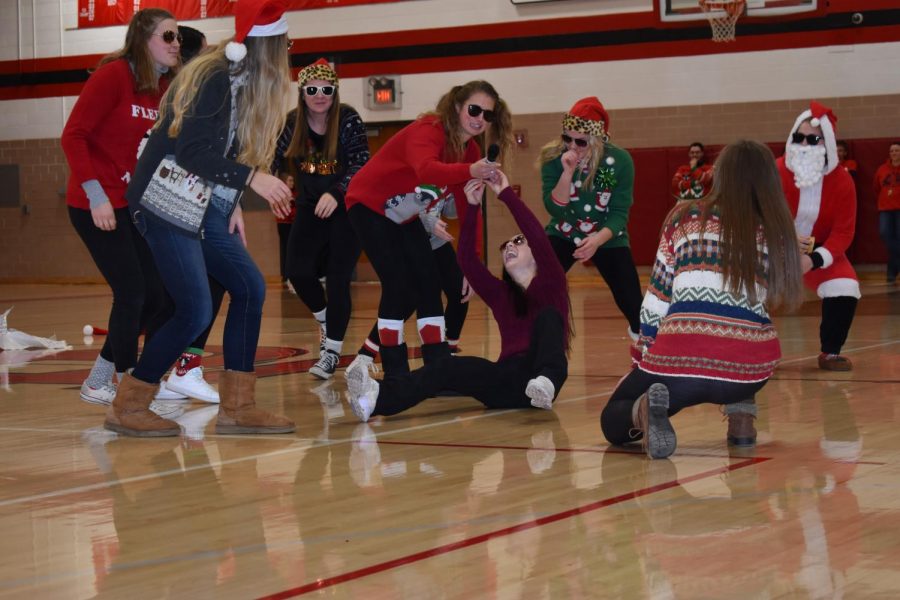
x=321, y=584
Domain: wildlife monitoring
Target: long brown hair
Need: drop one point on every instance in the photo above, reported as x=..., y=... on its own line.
x=748, y=197
x=136, y=51
x=300, y=142
x=448, y=107
x=261, y=102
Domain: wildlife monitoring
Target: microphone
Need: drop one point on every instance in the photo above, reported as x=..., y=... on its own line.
x=493, y=152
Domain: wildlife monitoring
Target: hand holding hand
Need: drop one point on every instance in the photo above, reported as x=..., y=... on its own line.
x=500, y=183
x=104, y=217
x=274, y=191
x=325, y=206
x=474, y=189
x=484, y=169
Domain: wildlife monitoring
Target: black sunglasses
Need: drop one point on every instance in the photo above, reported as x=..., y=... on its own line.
x=312, y=90
x=170, y=36
x=811, y=138
x=580, y=142
x=475, y=110
x=517, y=240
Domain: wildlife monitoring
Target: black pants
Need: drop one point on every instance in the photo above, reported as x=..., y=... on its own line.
x=615, y=420
x=404, y=262
x=495, y=384
x=616, y=267
x=837, y=316
x=311, y=241
x=140, y=301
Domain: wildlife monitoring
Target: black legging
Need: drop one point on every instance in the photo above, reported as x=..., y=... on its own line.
x=140, y=300
x=498, y=384
x=404, y=262
x=615, y=420
x=312, y=239
x=616, y=267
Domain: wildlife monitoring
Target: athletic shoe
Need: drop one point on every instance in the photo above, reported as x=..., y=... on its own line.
x=367, y=361
x=101, y=396
x=362, y=391
x=192, y=385
x=834, y=362
x=167, y=395
x=326, y=366
x=541, y=391
x=167, y=410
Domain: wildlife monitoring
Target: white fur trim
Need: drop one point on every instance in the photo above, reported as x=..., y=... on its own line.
x=392, y=325
x=835, y=288
x=235, y=52
x=827, y=133
x=279, y=27
x=808, y=209
x=827, y=257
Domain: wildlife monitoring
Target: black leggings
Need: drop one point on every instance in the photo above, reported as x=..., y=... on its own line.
x=404, y=262
x=140, y=300
x=333, y=239
x=616, y=267
x=615, y=420
x=498, y=384
x=451, y=277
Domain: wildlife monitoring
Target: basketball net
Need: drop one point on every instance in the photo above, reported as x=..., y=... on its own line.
x=722, y=16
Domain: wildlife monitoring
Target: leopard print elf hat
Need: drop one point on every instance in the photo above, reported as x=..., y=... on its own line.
x=589, y=117
x=321, y=69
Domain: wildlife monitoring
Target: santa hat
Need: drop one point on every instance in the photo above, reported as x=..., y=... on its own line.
x=820, y=116
x=255, y=18
x=587, y=116
x=321, y=69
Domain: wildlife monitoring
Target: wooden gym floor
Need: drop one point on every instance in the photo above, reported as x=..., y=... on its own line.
x=449, y=500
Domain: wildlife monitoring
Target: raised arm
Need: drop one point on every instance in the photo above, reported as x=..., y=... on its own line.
x=480, y=278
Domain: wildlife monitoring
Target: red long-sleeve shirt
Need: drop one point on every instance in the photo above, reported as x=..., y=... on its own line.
x=887, y=184
x=101, y=137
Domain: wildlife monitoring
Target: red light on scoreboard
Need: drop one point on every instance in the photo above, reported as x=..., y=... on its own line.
x=384, y=95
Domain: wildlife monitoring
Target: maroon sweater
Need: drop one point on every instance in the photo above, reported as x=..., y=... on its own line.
x=548, y=288
x=101, y=137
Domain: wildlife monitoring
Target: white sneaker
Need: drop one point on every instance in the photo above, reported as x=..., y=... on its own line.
x=102, y=396
x=167, y=410
x=326, y=366
x=541, y=391
x=192, y=385
x=167, y=395
x=362, y=391
x=367, y=361
x=193, y=423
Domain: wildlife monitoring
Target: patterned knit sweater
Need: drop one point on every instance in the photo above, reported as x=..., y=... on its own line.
x=691, y=326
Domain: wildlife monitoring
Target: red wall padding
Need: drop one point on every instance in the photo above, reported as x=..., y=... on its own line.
x=654, y=168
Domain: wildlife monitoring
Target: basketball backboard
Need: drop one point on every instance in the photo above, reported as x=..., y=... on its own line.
x=673, y=11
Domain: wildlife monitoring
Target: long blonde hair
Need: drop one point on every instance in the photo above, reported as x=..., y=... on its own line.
x=261, y=115
x=448, y=107
x=556, y=148
x=136, y=50
x=748, y=196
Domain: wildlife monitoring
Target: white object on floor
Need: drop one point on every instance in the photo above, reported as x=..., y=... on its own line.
x=13, y=339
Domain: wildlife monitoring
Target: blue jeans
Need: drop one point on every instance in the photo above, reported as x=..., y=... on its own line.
x=889, y=228
x=183, y=264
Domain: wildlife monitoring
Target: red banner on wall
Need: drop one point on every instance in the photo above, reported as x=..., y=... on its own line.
x=101, y=13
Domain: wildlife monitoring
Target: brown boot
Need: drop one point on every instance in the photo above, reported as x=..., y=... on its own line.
x=741, y=429
x=650, y=417
x=130, y=412
x=834, y=362
x=238, y=412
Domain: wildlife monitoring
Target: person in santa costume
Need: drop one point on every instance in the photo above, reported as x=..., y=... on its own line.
x=822, y=199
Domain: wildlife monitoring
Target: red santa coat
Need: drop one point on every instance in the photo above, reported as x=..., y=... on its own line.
x=833, y=230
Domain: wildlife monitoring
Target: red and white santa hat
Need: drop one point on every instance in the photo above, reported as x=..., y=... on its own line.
x=587, y=116
x=255, y=18
x=821, y=116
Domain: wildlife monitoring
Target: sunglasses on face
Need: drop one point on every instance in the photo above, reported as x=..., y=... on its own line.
x=475, y=110
x=811, y=138
x=312, y=90
x=170, y=36
x=580, y=142
x=516, y=241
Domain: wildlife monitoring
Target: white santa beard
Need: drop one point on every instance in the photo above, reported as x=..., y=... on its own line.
x=807, y=163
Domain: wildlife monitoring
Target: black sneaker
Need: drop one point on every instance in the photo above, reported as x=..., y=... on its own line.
x=326, y=366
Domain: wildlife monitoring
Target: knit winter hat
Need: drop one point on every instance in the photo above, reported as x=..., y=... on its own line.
x=255, y=18
x=821, y=116
x=587, y=116
x=320, y=69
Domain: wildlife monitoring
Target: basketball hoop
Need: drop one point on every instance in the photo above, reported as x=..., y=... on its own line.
x=722, y=16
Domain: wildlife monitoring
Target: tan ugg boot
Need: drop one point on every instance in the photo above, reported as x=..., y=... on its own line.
x=130, y=412
x=238, y=412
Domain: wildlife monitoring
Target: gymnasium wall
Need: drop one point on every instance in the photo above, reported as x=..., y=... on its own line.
x=664, y=88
